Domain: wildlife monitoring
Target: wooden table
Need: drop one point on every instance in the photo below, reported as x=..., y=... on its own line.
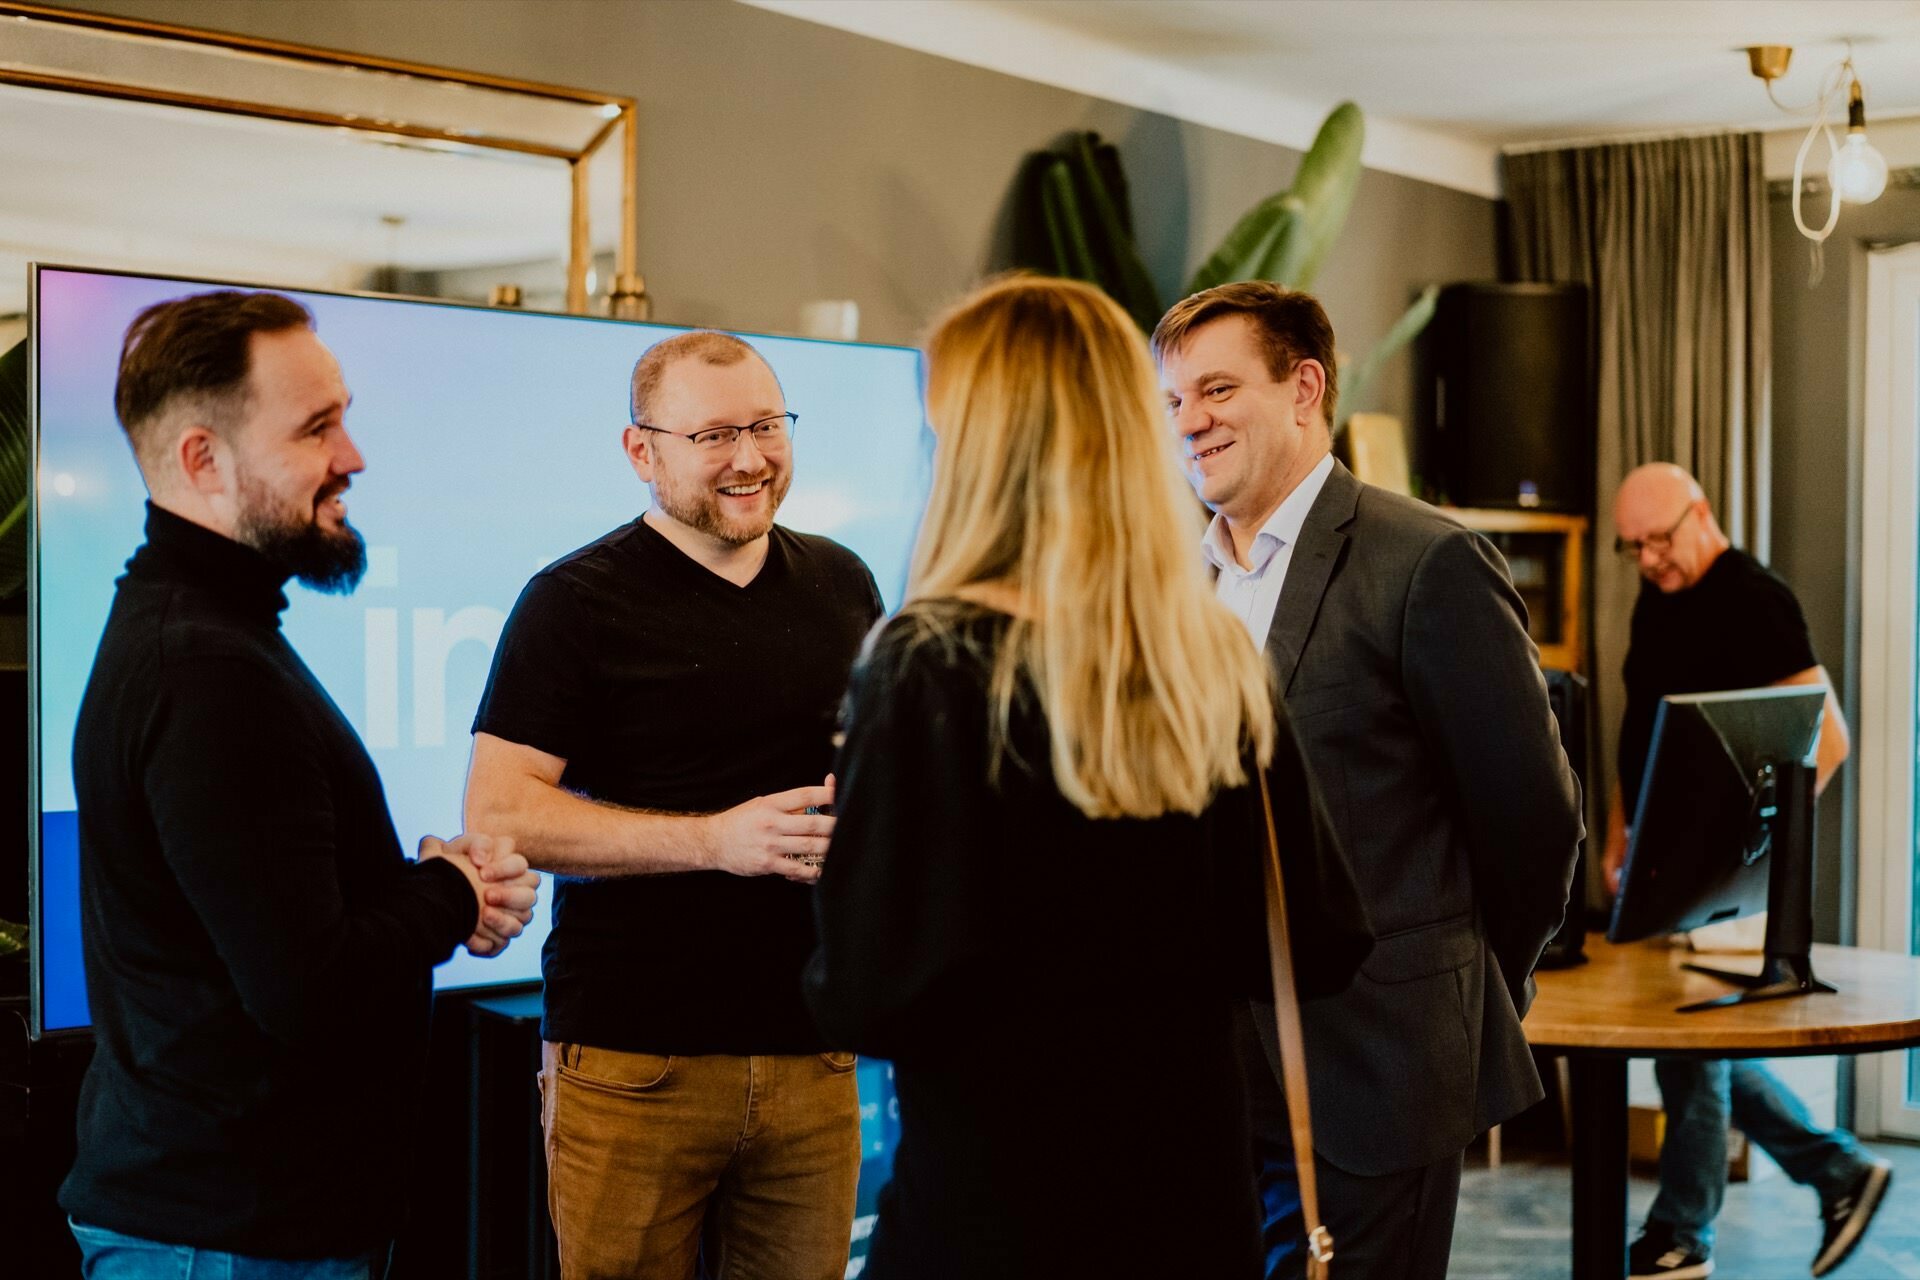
x=1620, y=1005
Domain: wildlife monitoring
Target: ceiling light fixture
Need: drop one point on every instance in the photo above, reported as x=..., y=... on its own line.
x=1856, y=171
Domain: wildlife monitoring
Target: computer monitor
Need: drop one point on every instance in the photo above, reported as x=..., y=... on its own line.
x=1724, y=829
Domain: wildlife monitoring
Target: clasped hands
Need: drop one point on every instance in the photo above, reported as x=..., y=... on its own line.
x=504, y=888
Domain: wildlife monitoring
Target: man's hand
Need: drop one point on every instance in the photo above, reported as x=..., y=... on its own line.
x=1618, y=833
x=771, y=835
x=505, y=890
x=1616, y=859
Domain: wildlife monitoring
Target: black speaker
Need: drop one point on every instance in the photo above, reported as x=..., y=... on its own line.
x=1507, y=407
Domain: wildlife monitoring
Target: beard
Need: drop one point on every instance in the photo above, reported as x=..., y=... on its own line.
x=699, y=508
x=332, y=561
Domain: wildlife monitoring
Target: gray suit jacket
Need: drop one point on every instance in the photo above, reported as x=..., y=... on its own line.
x=1402, y=654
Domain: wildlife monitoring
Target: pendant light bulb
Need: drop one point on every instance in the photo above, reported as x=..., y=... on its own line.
x=1858, y=172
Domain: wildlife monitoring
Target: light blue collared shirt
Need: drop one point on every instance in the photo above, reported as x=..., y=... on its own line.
x=1253, y=593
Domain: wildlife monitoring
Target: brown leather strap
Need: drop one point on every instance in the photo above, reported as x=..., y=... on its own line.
x=1293, y=1058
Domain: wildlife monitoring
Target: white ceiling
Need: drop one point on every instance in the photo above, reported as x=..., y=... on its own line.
x=1445, y=83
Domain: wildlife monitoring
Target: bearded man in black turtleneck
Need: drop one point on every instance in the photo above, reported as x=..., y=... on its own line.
x=259, y=950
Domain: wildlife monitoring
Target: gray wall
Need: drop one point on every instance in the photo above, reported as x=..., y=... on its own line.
x=781, y=161
x=1818, y=370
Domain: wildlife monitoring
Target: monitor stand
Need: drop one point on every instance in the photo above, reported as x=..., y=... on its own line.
x=1788, y=967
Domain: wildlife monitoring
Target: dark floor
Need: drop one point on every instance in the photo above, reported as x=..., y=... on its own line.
x=1513, y=1225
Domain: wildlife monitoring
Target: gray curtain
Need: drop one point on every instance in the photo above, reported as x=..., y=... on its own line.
x=1670, y=238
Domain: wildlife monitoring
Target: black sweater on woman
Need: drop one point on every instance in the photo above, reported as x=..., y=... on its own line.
x=1057, y=993
x=259, y=951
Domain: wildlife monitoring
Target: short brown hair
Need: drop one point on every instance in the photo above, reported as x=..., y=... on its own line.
x=710, y=346
x=1292, y=326
x=197, y=347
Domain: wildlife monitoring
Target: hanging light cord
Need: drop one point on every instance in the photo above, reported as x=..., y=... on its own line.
x=1837, y=78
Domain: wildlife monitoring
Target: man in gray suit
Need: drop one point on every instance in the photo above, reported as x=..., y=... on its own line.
x=1401, y=651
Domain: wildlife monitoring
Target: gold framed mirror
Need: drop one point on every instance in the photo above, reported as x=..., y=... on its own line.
x=309, y=109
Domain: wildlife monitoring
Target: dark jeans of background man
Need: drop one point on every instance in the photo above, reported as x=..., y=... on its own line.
x=109, y=1255
x=1699, y=1098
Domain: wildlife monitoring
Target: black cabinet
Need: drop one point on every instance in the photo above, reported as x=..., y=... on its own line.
x=509, y=1234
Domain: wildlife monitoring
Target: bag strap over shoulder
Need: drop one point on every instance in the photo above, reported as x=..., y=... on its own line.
x=1293, y=1058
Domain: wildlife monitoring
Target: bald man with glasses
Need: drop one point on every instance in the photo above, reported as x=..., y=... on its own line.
x=657, y=731
x=1711, y=617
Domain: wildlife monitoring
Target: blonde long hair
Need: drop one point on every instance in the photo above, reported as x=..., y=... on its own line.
x=1057, y=482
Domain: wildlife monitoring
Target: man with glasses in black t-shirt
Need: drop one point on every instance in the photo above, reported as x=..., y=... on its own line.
x=657, y=731
x=1711, y=617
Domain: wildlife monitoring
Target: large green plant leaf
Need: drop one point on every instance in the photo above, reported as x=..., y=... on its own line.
x=1405, y=330
x=1073, y=218
x=1287, y=236
x=1069, y=237
x=1033, y=236
x=14, y=480
x=1262, y=245
x=1096, y=167
x=1329, y=177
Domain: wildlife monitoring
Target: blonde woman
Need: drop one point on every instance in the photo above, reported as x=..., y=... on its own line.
x=1043, y=895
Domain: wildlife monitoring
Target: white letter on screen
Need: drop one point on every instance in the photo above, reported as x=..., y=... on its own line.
x=382, y=722
x=434, y=637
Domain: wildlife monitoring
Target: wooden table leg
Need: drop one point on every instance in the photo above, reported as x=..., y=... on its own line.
x=1599, y=1167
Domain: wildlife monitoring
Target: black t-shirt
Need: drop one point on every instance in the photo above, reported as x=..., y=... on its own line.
x=1739, y=627
x=666, y=687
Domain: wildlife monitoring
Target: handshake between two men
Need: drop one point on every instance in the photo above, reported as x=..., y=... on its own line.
x=504, y=887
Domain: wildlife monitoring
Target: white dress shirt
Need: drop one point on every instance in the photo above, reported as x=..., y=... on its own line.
x=1253, y=593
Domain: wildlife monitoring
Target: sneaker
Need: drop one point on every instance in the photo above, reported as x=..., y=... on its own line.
x=1847, y=1215
x=1656, y=1255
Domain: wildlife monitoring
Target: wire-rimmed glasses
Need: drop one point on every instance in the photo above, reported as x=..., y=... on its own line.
x=772, y=433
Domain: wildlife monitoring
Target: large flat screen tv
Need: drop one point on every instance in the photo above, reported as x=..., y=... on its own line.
x=492, y=440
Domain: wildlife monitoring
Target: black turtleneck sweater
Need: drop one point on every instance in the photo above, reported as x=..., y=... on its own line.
x=259, y=951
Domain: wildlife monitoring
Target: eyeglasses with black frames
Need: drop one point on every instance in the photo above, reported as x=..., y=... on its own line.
x=767, y=434
x=1658, y=543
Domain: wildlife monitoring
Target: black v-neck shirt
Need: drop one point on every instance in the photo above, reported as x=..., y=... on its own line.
x=259, y=950
x=667, y=687
x=1738, y=627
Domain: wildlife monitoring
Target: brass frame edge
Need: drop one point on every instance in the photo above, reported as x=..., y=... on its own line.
x=266, y=111
x=307, y=53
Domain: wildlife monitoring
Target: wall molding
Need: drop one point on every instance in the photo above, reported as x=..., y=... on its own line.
x=1782, y=188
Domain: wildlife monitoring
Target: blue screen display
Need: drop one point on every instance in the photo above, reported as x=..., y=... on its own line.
x=492, y=441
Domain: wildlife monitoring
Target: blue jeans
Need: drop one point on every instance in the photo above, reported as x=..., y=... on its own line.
x=109, y=1255
x=1282, y=1216
x=1700, y=1097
